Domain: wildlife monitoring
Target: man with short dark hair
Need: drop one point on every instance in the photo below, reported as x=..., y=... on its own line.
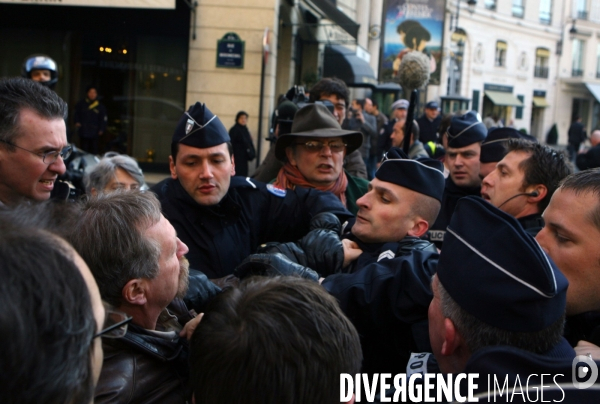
x=141, y=278
x=416, y=148
x=273, y=341
x=465, y=135
x=223, y=218
x=33, y=142
x=524, y=181
x=335, y=91
x=51, y=321
x=429, y=122
x=360, y=120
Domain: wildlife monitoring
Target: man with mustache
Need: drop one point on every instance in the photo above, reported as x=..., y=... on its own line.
x=222, y=218
x=139, y=265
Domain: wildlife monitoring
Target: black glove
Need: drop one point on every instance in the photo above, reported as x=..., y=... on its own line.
x=290, y=250
x=323, y=250
x=409, y=244
x=200, y=291
x=327, y=221
x=273, y=265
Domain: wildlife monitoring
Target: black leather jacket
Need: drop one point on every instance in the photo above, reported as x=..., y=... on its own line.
x=144, y=368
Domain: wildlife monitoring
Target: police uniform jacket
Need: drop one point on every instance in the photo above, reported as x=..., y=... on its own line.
x=452, y=193
x=251, y=213
x=428, y=130
x=532, y=223
x=387, y=301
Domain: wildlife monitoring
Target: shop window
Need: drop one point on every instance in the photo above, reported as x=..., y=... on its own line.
x=546, y=12
x=518, y=8
x=577, y=61
x=500, y=53
x=519, y=110
x=542, y=56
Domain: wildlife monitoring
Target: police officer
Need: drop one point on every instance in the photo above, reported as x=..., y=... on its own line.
x=223, y=218
x=494, y=147
x=387, y=292
x=40, y=68
x=495, y=313
x=465, y=135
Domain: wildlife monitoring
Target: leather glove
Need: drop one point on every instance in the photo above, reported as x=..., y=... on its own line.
x=327, y=221
x=200, y=291
x=409, y=244
x=290, y=250
x=273, y=265
x=323, y=250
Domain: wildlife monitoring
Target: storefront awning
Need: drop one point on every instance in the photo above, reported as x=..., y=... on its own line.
x=540, y=102
x=343, y=63
x=331, y=12
x=594, y=89
x=503, y=99
x=163, y=4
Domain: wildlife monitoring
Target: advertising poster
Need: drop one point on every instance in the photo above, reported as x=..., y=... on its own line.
x=412, y=25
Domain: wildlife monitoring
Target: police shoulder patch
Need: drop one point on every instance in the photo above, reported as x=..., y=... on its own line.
x=280, y=192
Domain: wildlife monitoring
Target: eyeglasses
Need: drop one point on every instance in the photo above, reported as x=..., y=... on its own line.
x=314, y=146
x=115, y=323
x=48, y=157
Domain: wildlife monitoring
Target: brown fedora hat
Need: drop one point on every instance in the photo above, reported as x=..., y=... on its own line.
x=315, y=120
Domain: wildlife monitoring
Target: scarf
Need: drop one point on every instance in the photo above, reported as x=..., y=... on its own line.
x=290, y=177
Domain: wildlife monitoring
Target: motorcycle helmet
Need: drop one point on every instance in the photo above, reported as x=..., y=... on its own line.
x=40, y=62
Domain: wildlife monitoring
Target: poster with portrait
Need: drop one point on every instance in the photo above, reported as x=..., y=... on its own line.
x=412, y=25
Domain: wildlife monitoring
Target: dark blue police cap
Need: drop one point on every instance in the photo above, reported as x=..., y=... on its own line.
x=198, y=127
x=497, y=272
x=493, y=148
x=465, y=130
x=423, y=175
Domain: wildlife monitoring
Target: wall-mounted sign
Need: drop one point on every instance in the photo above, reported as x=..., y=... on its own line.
x=230, y=51
x=165, y=4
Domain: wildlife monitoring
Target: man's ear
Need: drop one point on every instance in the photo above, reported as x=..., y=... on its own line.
x=420, y=227
x=172, y=168
x=452, y=339
x=541, y=190
x=232, y=165
x=134, y=292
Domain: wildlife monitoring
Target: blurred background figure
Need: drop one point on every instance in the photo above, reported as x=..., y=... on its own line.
x=90, y=120
x=243, y=148
x=40, y=68
x=114, y=172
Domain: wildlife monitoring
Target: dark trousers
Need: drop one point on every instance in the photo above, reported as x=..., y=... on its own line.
x=90, y=145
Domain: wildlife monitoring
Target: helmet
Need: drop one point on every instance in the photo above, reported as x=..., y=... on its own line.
x=40, y=62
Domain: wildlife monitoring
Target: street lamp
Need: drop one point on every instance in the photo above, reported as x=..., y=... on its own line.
x=573, y=29
x=454, y=17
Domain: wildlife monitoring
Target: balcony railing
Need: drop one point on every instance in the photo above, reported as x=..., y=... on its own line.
x=541, y=71
x=576, y=73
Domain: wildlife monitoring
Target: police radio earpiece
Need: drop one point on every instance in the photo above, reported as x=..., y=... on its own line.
x=533, y=194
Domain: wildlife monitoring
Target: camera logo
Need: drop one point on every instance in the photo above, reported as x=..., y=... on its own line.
x=583, y=368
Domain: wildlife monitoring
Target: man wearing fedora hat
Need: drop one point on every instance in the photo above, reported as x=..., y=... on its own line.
x=313, y=155
x=223, y=218
x=465, y=134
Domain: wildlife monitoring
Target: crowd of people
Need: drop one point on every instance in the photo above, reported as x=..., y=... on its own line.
x=352, y=257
